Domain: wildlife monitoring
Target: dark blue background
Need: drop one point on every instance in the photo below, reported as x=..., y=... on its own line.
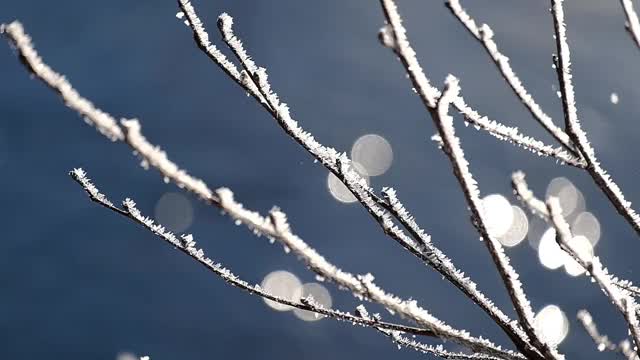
x=78, y=282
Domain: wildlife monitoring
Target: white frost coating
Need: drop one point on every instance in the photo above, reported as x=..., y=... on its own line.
x=509, y=276
x=579, y=137
x=93, y=116
x=484, y=34
x=430, y=94
x=187, y=245
x=410, y=309
x=225, y=24
x=633, y=24
x=202, y=36
x=81, y=176
x=520, y=187
x=438, y=350
x=155, y=157
x=425, y=250
x=620, y=298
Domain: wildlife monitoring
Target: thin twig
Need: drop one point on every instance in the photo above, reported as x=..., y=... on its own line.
x=484, y=35
x=402, y=341
x=633, y=24
x=103, y=122
x=573, y=127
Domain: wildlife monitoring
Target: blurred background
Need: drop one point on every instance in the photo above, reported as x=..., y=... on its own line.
x=78, y=282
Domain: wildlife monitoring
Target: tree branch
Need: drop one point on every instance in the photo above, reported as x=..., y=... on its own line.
x=573, y=127
x=484, y=35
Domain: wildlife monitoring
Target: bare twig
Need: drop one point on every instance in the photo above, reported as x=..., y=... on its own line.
x=573, y=127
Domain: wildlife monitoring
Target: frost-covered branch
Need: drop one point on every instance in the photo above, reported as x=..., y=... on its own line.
x=484, y=35
x=330, y=158
x=439, y=112
x=187, y=245
x=602, y=341
x=620, y=298
x=361, y=286
x=394, y=36
x=573, y=127
x=539, y=208
x=102, y=121
x=468, y=184
x=633, y=24
x=130, y=132
x=402, y=341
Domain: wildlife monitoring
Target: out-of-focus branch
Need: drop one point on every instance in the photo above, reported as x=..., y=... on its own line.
x=573, y=127
x=602, y=341
x=539, y=208
x=484, y=35
x=621, y=299
x=633, y=24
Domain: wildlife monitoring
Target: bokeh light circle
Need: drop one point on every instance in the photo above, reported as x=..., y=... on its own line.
x=283, y=284
x=374, y=153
